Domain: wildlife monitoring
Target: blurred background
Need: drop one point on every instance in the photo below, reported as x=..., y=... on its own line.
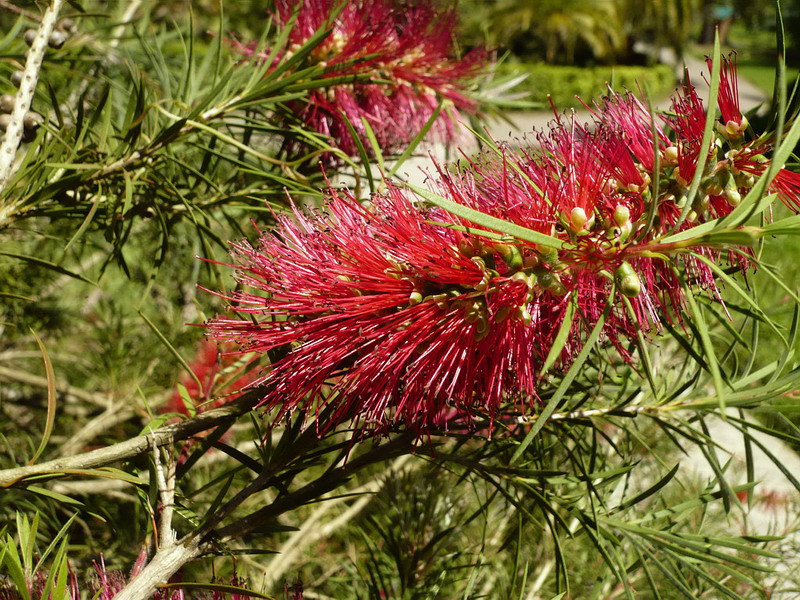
x=92, y=297
x=572, y=47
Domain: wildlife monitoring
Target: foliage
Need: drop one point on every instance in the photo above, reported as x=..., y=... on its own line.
x=564, y=83
x=582, y=31
x=158, y=143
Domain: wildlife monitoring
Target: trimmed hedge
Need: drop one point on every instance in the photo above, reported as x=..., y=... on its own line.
x=564, y=83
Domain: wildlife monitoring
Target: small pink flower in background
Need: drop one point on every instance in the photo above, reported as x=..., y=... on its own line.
x=104, y=584
x=221, y=375
x=406, y=49
x=293, y=591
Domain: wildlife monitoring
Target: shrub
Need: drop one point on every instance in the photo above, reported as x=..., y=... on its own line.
x=564, y=83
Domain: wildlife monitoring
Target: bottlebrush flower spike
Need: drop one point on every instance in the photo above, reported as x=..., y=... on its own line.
x=747, y=159
x=396, y=314
x=688, y=122
x=391, y=319
x=407, y=51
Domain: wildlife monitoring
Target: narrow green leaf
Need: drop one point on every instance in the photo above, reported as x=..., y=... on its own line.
x=373, y=141
x=61, y=498
x=15, y=570
x=86, y=222
x=214, y=587
x=366, y=163
x=412, y=146
x=708, y=349
x=552, y=404
x=47, y=265
x=708, y=133
x=51, y=399
x=649, y=491
x=562, y=336
x=172, y=349
x=730, y=282
x=488, y=221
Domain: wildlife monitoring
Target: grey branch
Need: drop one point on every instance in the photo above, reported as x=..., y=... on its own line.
x=22, y=102
x=129, y=448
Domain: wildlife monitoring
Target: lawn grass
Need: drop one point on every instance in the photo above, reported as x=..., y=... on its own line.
x=568, y=86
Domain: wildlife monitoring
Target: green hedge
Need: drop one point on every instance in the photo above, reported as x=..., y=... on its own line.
x=564, y=83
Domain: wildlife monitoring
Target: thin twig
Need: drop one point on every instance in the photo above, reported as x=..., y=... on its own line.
x=311, y=531
x=36, y=381
x=5, y=5
x=134, y=446
x=112, y=416
x=109, y=487
x=165, y=480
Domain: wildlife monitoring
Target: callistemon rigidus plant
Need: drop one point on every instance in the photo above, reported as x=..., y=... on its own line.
x=401, y=57
x=396, y=313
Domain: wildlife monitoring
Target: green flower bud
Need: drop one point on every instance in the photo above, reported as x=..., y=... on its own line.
x=622, y=215
x=414, y=298
x=552, y=283
x=578, y=218
x=628, y=281
x=481, y=329
x=733, y=197
x=676, y=174
x=701, y=204
x=510, y=255
x=670, y=156
x=475, y=312
x=470, y=247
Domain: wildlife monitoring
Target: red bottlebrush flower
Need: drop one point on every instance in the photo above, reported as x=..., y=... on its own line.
x=628, y=118
x=397, y=314
x=391, y=319
x=733, y=123
x=406, y=49
x=688, y=123
x=750, y=162
x=787, y=185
